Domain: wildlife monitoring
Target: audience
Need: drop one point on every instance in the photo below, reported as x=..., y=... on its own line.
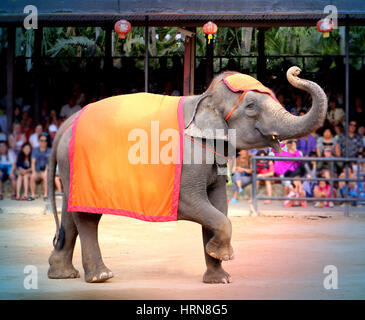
x=327, y=142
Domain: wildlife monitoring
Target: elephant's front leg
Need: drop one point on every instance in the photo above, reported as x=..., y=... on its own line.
x=218, y=198
x=217, y=228
x=94, y=267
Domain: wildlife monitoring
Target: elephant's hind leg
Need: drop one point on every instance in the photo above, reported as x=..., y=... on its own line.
x=94, y=267
x=60, y=261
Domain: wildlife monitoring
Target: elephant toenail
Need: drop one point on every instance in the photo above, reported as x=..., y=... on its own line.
x=224, y=280
x=226, y=258
x=103, y=275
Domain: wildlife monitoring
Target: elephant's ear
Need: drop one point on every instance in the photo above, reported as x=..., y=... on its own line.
x=207, y=122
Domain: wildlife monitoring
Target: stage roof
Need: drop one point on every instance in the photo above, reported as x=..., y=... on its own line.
x=182, y=12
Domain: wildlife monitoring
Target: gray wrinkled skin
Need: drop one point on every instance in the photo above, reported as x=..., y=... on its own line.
x=259, y=121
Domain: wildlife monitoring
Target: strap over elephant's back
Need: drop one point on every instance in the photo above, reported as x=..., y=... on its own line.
x=119, y=157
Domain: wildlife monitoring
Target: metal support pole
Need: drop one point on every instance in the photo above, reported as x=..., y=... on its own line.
x=108, y=62
x=209, y=57
x=254, y=189
x=261, y=59
x=347, y=103
x=10, y=78
x=146, y=57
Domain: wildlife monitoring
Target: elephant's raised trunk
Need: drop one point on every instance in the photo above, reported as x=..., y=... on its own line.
x=293, y=127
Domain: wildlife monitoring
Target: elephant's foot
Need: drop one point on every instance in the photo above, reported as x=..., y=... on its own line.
x=216, y=276
x=219, y=251
x=61, y=268
x=99, y=275
x=69, y=273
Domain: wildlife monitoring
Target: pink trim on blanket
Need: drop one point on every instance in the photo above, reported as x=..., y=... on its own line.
x=71, y=153
x=121, y=212
x=179, y=160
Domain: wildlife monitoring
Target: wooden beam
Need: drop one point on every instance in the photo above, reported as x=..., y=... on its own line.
x=10, y=77
x=189, y=63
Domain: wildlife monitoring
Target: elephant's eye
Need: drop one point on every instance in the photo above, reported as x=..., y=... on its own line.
x=250, y=110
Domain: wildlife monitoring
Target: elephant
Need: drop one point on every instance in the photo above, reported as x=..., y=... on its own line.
x=259, y=121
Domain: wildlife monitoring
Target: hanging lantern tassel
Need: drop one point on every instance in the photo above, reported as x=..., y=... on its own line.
x=210, y=28
x=122, y=27
x=325, y=26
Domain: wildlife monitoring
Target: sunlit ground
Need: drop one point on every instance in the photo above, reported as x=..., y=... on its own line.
x=275, y=258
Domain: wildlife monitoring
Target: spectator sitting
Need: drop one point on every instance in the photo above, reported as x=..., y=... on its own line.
x=24, y=170
x=39, y=164
x=335, y=115
x=361, y=132
x=358, y=113
x=264, y=169
x=325, y=166
x=70, y=108
x=2, y=135
x=52, y=129
x=33, y=139
x=310, y=172
x=242, y=173
x=7, y=167
x=295, y=191
x=288, y=168
x=355, y=145
x=327, y=140
x=298, y=106
x=323, y=190
x=307, y=144
x=354, y=189
x=17, y=138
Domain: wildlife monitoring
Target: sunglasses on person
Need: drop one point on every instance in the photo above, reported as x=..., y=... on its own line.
x=291, y=141
x=43, y=140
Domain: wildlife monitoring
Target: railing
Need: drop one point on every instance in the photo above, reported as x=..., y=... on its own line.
x=359, y=179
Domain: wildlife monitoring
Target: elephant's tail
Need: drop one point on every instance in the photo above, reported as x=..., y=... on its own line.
x=59, y=238
x=57, y=244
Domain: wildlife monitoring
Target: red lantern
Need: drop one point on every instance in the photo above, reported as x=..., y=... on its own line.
x=325, y=26
x=122, y=27
x=210, y=28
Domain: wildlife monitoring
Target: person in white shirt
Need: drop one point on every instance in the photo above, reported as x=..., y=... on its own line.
x=335, y=115
x=33, y=139
x=7, y=167
x=70, y=108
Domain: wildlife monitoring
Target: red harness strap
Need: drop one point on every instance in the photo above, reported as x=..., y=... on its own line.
x=205, y=147
x=236, y=105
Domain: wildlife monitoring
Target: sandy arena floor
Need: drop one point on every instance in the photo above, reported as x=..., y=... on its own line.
x=276, y=258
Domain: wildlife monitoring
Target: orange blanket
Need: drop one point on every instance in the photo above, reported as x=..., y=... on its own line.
x=118, y=153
